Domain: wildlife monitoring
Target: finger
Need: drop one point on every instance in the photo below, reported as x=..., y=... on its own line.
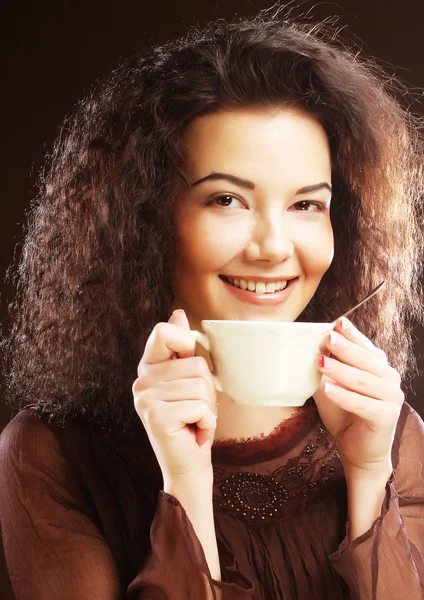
x=184, y=368
x=351, y=333
x=165, y=340
x=357, y=356
x=170, y=418
x=179, y=317
x=196, y=388
x=373, y=411
x=357, y=380
x=190, y=413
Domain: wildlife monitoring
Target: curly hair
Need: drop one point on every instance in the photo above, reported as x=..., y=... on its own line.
x=93, y=275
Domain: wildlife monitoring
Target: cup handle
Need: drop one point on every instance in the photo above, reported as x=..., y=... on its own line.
x=204, y=341
x=201, y=338
x=218, y=386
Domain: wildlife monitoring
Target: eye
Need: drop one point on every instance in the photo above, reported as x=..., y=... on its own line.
x=309, y=206
x=226, y=201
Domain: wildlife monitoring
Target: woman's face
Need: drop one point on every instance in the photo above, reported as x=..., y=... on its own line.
x=258, y=216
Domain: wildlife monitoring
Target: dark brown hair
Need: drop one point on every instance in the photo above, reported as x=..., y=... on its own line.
x=93, y=277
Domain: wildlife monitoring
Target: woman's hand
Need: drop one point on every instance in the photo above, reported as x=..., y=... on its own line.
x=176, y=401
x=359, y=399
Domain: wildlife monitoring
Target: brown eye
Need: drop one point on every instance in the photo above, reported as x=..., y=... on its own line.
x=226, y=201
x=305, y=206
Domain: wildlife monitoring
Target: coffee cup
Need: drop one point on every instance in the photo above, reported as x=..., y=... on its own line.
x=265, y=363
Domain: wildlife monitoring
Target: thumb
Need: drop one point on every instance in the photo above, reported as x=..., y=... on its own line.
x=179, y=318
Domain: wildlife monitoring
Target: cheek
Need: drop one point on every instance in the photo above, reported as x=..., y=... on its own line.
x=316, y=250
x=205, y=245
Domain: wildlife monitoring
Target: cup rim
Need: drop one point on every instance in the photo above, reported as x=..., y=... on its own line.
x=283, y=324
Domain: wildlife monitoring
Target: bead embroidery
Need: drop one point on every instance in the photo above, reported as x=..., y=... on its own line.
x=309, y=449
x=297, y=472
x=253, y=496
x=289, y=489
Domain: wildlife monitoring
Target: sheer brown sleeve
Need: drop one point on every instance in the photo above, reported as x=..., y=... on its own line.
x=387, y=562
x=54, y=547
x=176, y=568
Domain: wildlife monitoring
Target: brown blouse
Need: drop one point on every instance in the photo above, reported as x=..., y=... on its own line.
x=84, y=518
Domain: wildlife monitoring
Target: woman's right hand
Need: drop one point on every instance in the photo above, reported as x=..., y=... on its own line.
x=176, y=401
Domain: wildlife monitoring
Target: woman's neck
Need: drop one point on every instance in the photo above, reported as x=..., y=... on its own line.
x=236, y=421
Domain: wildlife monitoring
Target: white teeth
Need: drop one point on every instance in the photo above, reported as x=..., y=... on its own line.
x=280, y=285
x=259, y=287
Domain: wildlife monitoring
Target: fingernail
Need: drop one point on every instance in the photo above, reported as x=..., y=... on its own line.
x=321, y=361
x=180, y=310
x=336, y=340
x=344, y=324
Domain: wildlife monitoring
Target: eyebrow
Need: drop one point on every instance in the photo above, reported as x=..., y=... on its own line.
x=251, y=186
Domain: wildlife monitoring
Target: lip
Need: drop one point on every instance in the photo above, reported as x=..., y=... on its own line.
x=261, y=299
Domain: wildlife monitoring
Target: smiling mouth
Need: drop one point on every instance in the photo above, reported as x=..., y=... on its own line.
x=257, y=287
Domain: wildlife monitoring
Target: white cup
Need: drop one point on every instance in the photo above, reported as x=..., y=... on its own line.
x=264, y=363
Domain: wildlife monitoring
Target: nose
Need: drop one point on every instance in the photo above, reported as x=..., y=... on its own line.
x=270, y=239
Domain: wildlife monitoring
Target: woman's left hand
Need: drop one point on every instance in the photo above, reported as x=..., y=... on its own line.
x=359, y=399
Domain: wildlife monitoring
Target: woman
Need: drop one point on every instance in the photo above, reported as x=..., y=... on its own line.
x=251, y=170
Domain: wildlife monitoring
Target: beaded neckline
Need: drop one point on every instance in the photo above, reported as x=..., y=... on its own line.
x=247, y=451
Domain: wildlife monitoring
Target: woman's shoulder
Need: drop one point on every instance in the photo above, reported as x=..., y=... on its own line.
x=26, y=432
x=80, y=453
x=28, y=442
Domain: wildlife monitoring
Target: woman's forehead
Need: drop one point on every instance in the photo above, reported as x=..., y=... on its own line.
x=259, y=145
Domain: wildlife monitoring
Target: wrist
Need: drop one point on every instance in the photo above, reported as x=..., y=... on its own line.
x=374, y=473
x=188, y=484
x=195, y=495
x=366, y=491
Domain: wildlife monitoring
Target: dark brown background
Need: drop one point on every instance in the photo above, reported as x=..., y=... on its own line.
x=55, y=49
